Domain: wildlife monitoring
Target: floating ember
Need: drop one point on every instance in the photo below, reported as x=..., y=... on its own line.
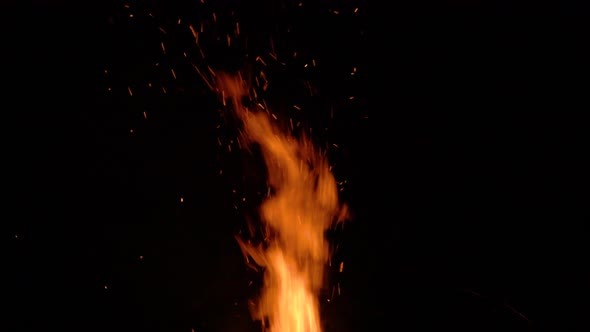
x=302, y=203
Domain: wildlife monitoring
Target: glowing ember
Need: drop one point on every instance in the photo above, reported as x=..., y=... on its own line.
x=302, y=204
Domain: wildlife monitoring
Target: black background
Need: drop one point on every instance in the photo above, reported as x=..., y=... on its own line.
x=465, y=154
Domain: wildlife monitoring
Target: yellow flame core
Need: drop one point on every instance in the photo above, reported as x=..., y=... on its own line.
x=303, y=205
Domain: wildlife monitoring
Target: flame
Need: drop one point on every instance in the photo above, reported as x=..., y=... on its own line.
x=302, y=204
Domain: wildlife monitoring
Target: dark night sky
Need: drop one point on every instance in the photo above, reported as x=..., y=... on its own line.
x=464, y=149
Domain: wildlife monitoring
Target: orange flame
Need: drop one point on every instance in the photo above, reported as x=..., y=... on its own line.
x=303, y=205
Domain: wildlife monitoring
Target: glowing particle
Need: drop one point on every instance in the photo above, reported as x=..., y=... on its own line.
x=341, y=267
x=181, y=199
x=130, y=92
x=144, y=115
x=195, y=34
x=141, y=257
x=131, y=131
x=203, y=77
x=258, y=58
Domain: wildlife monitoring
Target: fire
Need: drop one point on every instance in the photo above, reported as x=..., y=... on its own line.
x=302, y=204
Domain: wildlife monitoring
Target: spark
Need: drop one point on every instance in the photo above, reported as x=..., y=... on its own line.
x=258, y=58
x=195, y=34
x=203, y=77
